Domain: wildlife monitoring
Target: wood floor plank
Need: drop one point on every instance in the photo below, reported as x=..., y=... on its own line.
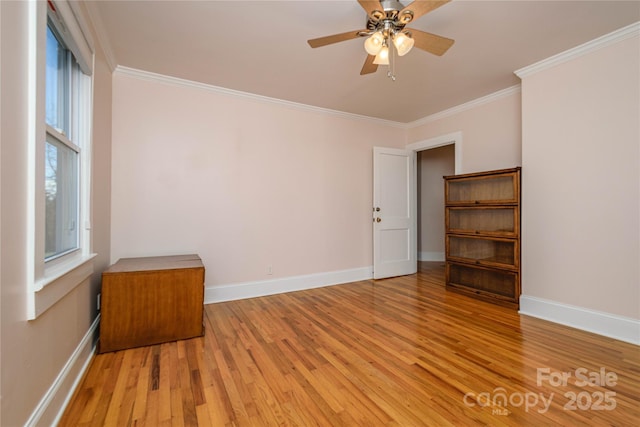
x=177, y=408
x=142, y=390
x=163, y=410
x=393, y=352
x=115, y=409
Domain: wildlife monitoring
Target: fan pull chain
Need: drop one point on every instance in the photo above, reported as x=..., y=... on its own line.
x=391, y=73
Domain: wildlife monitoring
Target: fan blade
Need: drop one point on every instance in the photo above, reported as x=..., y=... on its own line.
x=432, y=43
x=370, y=6
x=323, y=41
x=369, y=67
x=420, y=7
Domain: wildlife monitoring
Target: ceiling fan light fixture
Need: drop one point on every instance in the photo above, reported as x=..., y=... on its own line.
x=385, y=29
x=403, y=43
x=373, y=45
x=382, y=58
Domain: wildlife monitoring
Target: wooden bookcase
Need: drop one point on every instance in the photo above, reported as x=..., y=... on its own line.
x=151, y=300
x=482, y=242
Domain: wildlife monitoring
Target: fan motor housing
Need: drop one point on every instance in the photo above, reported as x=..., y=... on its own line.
x=390, y=5
x=388, y=17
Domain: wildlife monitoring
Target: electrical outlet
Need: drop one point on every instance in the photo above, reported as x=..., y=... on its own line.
x=98, y=301
x=270, y=270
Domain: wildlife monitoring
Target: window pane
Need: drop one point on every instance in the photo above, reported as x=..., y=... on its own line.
x=61, y=193
x=57, y=84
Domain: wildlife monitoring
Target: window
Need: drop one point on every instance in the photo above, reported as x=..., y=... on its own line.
x=61, y=154
x=60, y=111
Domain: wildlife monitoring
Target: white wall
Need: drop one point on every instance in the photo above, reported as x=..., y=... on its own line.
x=581, y=181
x=245, y=183
x=35, y=352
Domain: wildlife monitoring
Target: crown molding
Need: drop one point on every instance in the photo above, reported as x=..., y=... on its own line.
x=147, y=75
x=466, y=106
x=619, y=35
x=150, y=76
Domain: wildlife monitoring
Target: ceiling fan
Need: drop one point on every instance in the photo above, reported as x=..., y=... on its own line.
x=386, y=28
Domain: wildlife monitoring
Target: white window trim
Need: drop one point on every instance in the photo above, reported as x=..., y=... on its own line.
x=48, y=282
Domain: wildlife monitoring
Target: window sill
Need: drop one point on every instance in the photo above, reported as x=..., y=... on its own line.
x=57, y=282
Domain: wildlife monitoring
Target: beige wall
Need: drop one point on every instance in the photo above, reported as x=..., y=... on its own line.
x=35, y=352
x=491, y=132
x=245, y=183
x=581, y=181
x=433, y=164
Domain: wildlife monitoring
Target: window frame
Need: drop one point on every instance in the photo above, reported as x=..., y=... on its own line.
x=50, y=280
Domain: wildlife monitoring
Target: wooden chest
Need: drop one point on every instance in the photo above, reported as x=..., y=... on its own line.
x=151, y=300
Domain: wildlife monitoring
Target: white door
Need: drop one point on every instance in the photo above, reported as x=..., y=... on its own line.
x=394, y=212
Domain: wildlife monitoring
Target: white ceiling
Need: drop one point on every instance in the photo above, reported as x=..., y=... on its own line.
x=260, y=47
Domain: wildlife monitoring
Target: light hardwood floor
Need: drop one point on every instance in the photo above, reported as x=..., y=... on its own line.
x=394, y=352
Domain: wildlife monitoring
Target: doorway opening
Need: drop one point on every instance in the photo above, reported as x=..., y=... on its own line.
x=435, y=158
x=432, y=164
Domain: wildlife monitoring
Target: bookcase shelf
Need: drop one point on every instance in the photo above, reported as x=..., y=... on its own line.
x=482, y=222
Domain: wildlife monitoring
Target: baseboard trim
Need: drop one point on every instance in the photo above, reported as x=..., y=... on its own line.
x=231, y=292
x=601, y=323
x=431, y=256
x=52, y=405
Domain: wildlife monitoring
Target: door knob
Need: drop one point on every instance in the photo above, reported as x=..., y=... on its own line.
x=378, y=219
x=377, y=209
